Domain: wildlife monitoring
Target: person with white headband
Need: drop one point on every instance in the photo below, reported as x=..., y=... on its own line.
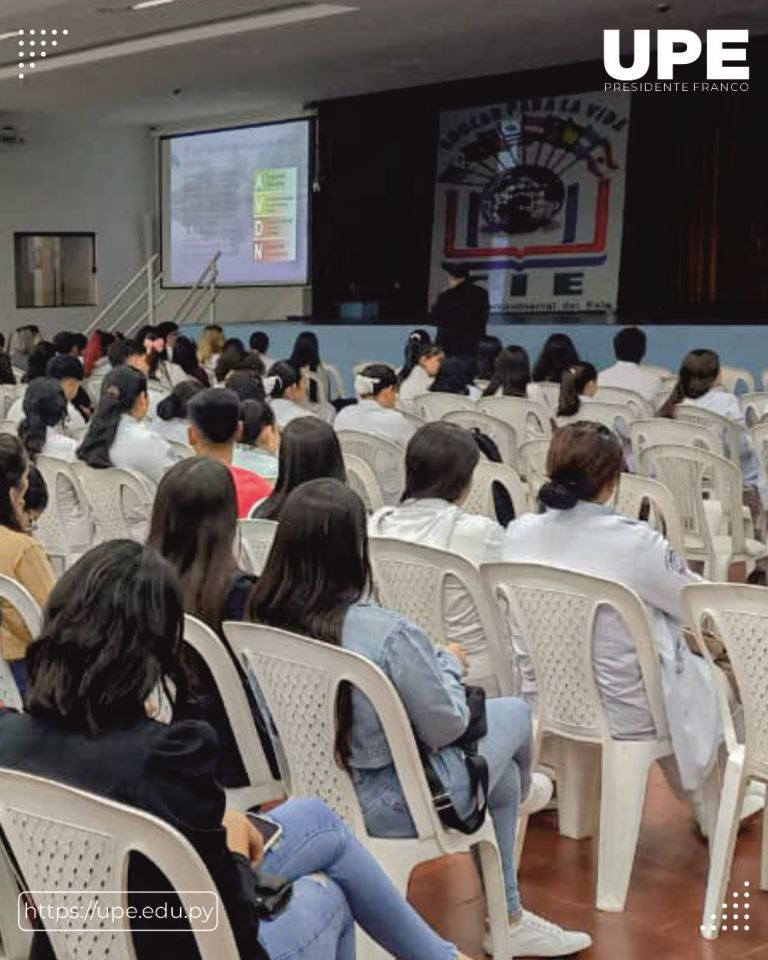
x=286, y=388
x=374, y=413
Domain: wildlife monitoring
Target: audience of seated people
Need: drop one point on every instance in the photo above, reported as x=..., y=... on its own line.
x=214, y=429
x=628, y=372
x=309, y=450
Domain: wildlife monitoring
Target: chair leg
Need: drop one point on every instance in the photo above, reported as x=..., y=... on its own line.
x=764, y=852
x=578, y=779
x=495, y=899
x=722, y=848
x=522, y=828
x=15, y=941
x=622, y=798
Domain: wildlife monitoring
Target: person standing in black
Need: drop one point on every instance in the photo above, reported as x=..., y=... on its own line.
x=460, y=313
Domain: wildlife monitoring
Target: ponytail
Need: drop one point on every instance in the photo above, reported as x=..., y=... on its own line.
x=572, y=384
x=414, y=345
x=44, y=406
x=122, y=387
x=698, y=374
x=174, y=406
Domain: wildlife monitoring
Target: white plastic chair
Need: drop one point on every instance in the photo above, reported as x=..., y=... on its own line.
x=111, y=493
x=636, y=402
x=480, y=499
x=299, y=679
x=554, y=611
x=529, y=420
x=641, y=498
x=322, y=387
x=335, y=381
x=687, y=472
x=413, y=418
x=740, y=618
x=51, y=526
x=413, y=580
x=760, y=440
x=65, y=840
x=754, y=405
x=550, y=392
x=9, y=394
x=12, y=592
x=10, y=427
x=256, y=538
x=502, y=434
x=382, y=456
x=656, y=430
x=182, y=450
x=434, y=406
x=728, y=431
x=262, y=786
x=533, y=454
x=363, y=481
x=732, y=376
x=664, y=373
x=615, y=416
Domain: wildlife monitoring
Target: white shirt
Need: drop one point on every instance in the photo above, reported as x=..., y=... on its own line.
x=137, y=447
x=176, y=429
x=592, y=539
x=368, y=416
x=438, y=523
x=631, y=376
x=286, y=410
x=256, y=460
x=417, y=382
x=719, y=400
x=75, y=419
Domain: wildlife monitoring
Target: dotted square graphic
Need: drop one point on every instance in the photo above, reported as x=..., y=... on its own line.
x=37, y=44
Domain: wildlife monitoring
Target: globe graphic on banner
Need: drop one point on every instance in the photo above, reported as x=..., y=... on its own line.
x=523, y=198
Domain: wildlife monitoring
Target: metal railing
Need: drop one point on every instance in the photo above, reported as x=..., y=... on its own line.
x=200, y=298
x=134, y=303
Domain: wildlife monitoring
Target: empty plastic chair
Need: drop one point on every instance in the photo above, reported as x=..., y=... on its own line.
x=256, y=538
x=363, y=481
x=529, y=420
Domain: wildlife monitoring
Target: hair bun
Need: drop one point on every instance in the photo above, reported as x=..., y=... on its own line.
x=559, y=495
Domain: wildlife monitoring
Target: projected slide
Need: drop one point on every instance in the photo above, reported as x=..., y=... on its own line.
x=243, y=192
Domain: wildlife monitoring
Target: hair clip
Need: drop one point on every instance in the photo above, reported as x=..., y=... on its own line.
x=270, y=383
x=364, y=385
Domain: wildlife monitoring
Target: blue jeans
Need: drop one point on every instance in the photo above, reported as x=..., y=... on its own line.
x=318, y=924
x=506, y=747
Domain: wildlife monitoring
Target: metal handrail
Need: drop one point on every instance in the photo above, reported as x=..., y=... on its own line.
x=146, y=274
x=204, y=289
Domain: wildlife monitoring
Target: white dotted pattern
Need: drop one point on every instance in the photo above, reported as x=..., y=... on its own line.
x=31, y=44
x=735, y=905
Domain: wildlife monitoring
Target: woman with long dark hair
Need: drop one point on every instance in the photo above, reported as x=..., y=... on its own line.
x=317, y=582
x=488, y=349
x=557, y=354
x=418, y=375
x=417, y=340
x=45, y=414
x=309, y=449
x=109, y=648
x=184, y=366
x=305, y=356
x=118, y=435
x=259, y=444
x=21, y=557
x=511, y=374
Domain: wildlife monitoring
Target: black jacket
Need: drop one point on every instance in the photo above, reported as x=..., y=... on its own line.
x=167, y=770
x=6, y=373
x=461, y=317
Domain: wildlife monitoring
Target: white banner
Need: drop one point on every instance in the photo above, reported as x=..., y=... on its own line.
x=530, y=195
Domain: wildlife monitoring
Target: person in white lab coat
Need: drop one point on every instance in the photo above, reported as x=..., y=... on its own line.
x=423, y=360
x=118, y=435
x=700, y=385
x=580, y=531
x=628, y=372
x=439, y=464
x=375, y=413
x=40, y=431
x=286, y=386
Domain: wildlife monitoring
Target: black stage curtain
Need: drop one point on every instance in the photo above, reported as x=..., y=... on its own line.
x=696, y=210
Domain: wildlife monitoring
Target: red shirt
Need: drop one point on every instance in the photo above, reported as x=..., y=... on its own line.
x=250, y=489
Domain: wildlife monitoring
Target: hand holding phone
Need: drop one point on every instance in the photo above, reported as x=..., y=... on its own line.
x=269, y=830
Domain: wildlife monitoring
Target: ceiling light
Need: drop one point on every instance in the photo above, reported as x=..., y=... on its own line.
x=9, y=36
x=146, y=4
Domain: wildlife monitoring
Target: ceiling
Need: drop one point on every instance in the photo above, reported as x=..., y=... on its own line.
x=199, y=59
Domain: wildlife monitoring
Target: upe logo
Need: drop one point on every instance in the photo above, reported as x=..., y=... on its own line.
x=678, y=48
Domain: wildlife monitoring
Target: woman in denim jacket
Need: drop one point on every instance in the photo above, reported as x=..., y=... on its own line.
x=317, y=581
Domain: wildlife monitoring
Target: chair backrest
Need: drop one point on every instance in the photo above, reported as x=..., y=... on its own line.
x=10, y=427
x=733, y=376
x=299, y=680
x=335, y=380
x=528, y=419
x=182, y=450
x=381, y=454
x=729, y=432
x=52, y=525
x=27, y=608
x=754, y=405
x=480, y=499
x=256, y=538
x=739, y=617
x=533, y=454
x=75, y=846
x=626, y=398
x=411, y=579
x=363, y=481
x=413, y=418
x=434, y=406
x=655, y=430
x=219, y=660
x=106, y=490
x=322, y=387
x=685, y=471
x=641, y=498
x=553, y=610
x=615, y=416
x=551, y=393
x=664, y=373
x=502, y=434
x=9, y=394
x=760, y=440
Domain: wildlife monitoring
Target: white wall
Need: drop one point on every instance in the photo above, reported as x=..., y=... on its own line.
x=70, y=177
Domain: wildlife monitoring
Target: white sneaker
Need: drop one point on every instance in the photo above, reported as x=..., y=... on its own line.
x=534, y=936
x=754, y=802
x=539, y=794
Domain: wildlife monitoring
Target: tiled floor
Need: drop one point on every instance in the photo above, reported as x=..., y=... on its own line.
x=557, y=879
